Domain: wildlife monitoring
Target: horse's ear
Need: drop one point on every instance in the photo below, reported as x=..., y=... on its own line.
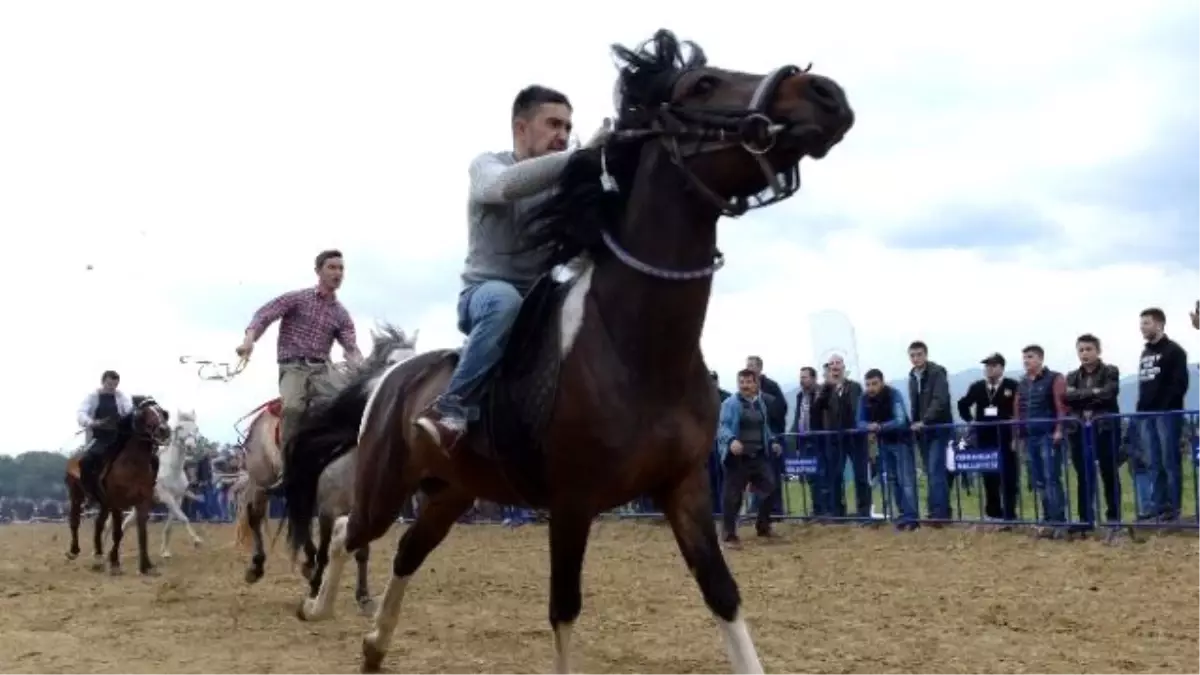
x=413, y=339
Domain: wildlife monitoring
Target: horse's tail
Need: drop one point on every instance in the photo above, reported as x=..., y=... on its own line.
x=327, y=430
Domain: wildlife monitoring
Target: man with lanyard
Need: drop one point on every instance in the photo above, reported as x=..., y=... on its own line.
x=310, y=319
x=98, y=415
x=505, y=187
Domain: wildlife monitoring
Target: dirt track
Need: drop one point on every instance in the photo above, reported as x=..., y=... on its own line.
x=829, y=599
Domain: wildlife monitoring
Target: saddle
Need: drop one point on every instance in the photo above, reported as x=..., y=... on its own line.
x=516, y=399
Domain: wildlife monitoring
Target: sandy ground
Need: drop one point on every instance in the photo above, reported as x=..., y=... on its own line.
x=827, y=599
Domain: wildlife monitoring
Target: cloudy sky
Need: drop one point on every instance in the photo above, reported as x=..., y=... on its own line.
x=1018, y=173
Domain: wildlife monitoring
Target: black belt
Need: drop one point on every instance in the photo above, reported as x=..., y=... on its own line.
x=305, y=360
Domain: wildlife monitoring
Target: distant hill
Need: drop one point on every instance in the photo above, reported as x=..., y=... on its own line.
x=961, y=381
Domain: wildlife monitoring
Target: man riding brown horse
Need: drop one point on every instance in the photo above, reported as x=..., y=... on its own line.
x=600, y=393
x=122, y=473
x=505, y=188
x=98, y=415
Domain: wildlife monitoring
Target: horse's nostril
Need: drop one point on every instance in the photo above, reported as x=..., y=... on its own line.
x=827, y=94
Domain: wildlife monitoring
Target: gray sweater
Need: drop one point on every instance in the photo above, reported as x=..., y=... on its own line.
x=503, y=193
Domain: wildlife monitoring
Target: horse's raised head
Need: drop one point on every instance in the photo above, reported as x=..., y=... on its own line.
x=152, y=421
x=392, y=345
x=735, y=133
x=733, y=142
x=187, y=432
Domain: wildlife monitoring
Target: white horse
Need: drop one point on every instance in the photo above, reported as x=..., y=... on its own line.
x=172, y=483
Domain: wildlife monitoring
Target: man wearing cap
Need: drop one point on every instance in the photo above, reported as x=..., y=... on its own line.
x=988, y=408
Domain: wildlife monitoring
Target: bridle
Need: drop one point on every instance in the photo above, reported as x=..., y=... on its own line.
x=139, y=427
x=715, y=128
x=712, y=129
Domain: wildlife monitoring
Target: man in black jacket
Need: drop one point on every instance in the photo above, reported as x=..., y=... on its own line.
x=1162, y=386
x=777, y=408
x=988, y=407
x=836, y=410
x=929, y=396
x=1092, y=392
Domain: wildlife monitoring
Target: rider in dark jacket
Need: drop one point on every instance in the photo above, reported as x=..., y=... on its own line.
x=99, y=414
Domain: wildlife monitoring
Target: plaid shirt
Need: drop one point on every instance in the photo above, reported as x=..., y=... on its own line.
x=308, y=324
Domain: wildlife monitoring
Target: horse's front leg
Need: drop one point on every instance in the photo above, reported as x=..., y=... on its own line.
x=569, y=530
x=74, y=516
x=320, y=556
x=256, y=511
x=175, y=512
x=143, y=517
x=688, y=508
x=362, y=594
x=433, y=523
x=114, y=555
x=98, y=538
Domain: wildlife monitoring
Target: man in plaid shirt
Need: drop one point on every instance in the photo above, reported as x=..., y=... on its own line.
x=310, y=319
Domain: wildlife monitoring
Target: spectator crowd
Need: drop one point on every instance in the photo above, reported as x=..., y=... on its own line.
x=884, y=436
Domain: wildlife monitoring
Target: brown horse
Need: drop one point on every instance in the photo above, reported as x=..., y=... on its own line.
x=126, y=481
x=602, y=394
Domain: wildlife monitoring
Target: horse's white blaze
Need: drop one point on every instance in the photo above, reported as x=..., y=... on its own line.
x=571, y=316
x=321, y=607
x=743, y=658
x=373, y=384
x=562, y=646
x=386, y=616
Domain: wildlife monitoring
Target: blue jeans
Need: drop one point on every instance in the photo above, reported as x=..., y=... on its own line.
x=486, y=313
x=933, y=444
x=1160, y=437
x=1045, y=475
x=900, y=469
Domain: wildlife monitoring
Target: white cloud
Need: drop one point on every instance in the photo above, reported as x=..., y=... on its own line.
x=207, y=152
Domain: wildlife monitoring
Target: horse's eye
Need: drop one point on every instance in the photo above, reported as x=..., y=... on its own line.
x=704, y=86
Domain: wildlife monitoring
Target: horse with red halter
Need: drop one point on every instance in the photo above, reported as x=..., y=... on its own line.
x=602, y=394
x=126, y=481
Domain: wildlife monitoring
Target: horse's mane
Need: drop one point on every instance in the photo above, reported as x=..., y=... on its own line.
x=387, y=338
x=571, y=221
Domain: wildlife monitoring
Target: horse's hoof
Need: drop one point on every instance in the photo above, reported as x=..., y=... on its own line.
x=366, y=607
x=98, y=567
x=165, y=555
x=116, y=571
x=300, y=611
x=197, y=542
x=71, y=555
x=372, y=657
x=149, y=571
x=253, y=575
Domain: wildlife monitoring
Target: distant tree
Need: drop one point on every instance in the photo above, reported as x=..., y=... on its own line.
x=33, y=475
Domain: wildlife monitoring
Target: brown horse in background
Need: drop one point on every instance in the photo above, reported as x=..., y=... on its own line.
x=602, y=394
x=126, y=481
